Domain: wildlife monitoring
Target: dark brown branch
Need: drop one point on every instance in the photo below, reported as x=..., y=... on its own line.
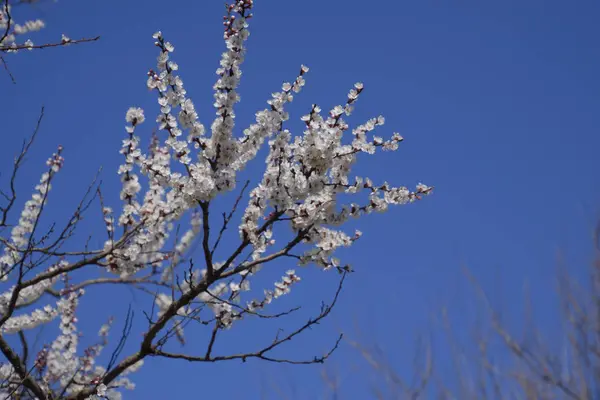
x=206, y=238
x=78, y=265
x=47, y=45
x=274, y=218
x=8, y=21
x=5, y=64
x=325, y=310
x=213, y=338
x=227, y=218
x=21, y=370
x=24, y=149
x=281, y=253
x=246, y=356
x=24, y=347
x=247, y=311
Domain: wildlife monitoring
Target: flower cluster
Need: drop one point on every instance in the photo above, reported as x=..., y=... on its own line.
x=28, y=295
x=63, y=370
x=307, y=186
x=281, y=288
x=304, y=177
x=29, y=321
x=21, y=233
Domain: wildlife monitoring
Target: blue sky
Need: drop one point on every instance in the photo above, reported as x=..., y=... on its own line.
x=498, y=103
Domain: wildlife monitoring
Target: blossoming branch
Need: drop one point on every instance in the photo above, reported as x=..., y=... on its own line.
x=307, y=186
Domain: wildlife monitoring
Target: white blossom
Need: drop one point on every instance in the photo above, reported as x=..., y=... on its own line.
x=135, y=115
x=101, y=390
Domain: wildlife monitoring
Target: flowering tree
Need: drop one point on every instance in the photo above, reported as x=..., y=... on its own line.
x=306, y=186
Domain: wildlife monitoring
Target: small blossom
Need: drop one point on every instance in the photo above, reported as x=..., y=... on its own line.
x=135, y=116
x=101, y=390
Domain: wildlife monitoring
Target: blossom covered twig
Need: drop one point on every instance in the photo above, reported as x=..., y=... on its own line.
x=12, y=33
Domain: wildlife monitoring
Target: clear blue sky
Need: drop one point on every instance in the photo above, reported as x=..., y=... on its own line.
x=498, y=102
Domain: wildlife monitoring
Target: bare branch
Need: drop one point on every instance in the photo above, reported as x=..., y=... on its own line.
x=8, y=49
x=17, y=164
x=227, y=218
